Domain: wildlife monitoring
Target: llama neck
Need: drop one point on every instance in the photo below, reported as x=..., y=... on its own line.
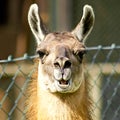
x=63, y=106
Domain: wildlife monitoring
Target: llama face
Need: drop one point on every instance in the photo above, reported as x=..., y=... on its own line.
x=61, y=54
x=60, y=66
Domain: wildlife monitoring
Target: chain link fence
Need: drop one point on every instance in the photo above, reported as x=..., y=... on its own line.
x=103, y=61
x=103, y=65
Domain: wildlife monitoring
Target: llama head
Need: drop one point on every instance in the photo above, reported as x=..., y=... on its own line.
x=61, y=53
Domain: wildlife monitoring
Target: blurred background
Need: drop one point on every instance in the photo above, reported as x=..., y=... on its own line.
x=103, y=64
x=59, y=15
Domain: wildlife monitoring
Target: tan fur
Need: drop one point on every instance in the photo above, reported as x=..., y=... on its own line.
x=59, y=88
x=31, y=99
x=71, y=106
x=44, y=105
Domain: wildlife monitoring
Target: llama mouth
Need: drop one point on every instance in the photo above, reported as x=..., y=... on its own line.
x=64, y=83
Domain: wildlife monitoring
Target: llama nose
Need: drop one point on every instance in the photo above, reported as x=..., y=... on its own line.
x=62, y=62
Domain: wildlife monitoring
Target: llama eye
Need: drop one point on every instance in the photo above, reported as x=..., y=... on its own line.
x=41, y=54
x=80, y=54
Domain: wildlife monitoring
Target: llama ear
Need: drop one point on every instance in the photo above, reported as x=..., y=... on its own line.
x=36, y=24
x=85, y=26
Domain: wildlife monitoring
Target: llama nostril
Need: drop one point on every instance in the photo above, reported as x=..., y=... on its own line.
x=67, y=64
x=62, y=63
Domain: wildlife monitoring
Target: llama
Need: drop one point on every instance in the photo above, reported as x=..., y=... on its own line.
x=59, y=88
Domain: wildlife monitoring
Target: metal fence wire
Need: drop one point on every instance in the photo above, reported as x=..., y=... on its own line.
x=103, y=65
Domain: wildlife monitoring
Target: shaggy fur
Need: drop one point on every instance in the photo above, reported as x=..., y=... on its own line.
x=71, y=106
x=59, y=88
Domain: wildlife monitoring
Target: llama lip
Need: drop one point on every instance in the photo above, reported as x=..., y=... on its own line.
x=63, y=83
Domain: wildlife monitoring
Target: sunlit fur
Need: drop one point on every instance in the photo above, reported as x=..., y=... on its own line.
x=47, y=106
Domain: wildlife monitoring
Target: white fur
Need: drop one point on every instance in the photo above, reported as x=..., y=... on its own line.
x=46, y=84
x=85, y=10
x=78, y=31
x=38, y=35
